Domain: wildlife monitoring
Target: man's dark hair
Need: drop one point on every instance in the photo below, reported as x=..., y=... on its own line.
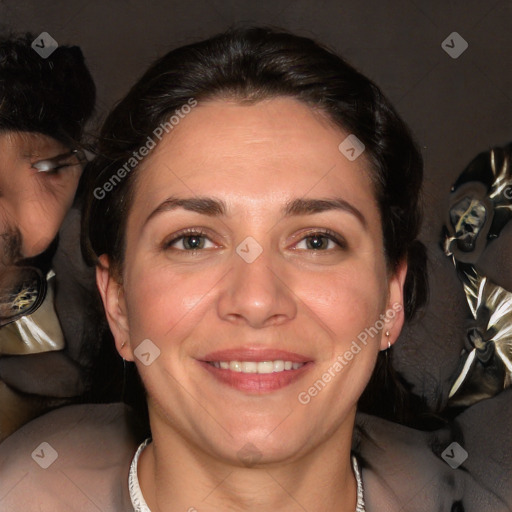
x=53, y=96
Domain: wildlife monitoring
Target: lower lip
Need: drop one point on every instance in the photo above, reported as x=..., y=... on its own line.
x=256, y=382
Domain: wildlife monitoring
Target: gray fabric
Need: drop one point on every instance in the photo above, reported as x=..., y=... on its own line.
x=402, y=468
x=94, y=445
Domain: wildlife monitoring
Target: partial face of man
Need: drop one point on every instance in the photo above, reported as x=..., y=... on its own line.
x=34, y=198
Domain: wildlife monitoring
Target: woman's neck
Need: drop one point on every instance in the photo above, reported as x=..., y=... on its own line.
x=174, y=476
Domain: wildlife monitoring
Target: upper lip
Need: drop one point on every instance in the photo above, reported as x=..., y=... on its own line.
x=256, y=354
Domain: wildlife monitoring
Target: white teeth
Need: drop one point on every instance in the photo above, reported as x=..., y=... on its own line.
x=278, y=365
x=249, y=367
x=235, y=366
x=257, y=367
x=265, y=367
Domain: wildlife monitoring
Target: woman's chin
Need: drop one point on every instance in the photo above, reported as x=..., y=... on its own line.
x=260, y=451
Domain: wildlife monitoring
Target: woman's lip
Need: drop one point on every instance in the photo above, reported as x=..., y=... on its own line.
x=256, y=382
x=254, y=354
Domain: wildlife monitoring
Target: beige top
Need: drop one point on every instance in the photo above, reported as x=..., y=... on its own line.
x=139, y=503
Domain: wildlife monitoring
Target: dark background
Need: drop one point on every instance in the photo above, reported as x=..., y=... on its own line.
x=455, y=107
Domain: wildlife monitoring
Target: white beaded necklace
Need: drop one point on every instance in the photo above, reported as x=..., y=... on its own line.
x=139, y=503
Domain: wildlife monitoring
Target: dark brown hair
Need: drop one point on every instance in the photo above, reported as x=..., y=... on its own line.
x=54, y=95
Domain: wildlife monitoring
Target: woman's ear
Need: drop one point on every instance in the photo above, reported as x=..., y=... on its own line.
x=395, y=309
x=112, y=295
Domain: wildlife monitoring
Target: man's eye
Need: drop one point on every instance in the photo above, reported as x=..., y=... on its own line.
x=52, y=165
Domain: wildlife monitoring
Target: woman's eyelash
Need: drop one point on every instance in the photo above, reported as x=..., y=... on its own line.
x=319, y=233
x=326, y=233
x=184, y=234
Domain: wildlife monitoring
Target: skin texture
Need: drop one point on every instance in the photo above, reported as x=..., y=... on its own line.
x=293, y=297
x=35, y=203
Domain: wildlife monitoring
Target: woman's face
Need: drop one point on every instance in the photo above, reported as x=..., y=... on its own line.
x=266, y=277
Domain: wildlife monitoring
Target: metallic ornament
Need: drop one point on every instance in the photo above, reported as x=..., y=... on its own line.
x=481, y=205
x=486, y=362
x=29, y=321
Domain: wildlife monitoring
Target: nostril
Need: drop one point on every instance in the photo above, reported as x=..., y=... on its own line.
x=457, y=507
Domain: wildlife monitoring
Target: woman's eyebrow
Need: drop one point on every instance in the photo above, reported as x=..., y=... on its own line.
x=310, y=206
x=204, y=205
x=217, y=207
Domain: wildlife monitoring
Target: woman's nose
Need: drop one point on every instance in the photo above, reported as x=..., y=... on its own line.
x=257, y=290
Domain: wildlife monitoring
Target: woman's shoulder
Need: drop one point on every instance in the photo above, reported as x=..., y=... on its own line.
x=398, y=468
x=461, y=466
x=73, y=458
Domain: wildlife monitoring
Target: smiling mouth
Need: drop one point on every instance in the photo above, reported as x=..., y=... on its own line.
x=276, y=366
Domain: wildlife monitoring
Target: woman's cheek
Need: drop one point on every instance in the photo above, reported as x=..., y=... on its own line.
x=159, y=297
x=349, y=298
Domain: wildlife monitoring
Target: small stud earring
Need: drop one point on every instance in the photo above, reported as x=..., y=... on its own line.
x=123, y=344
x=387, y=335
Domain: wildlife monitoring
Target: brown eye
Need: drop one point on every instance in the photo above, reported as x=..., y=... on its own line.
x=319, y=241
x=190, y=240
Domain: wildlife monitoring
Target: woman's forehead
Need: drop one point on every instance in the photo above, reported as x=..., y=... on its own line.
x=268, y=120
x=266, y=146
x=257, y=163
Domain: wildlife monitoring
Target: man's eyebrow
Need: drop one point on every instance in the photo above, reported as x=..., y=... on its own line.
x=217, y=207
x=37, y=144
